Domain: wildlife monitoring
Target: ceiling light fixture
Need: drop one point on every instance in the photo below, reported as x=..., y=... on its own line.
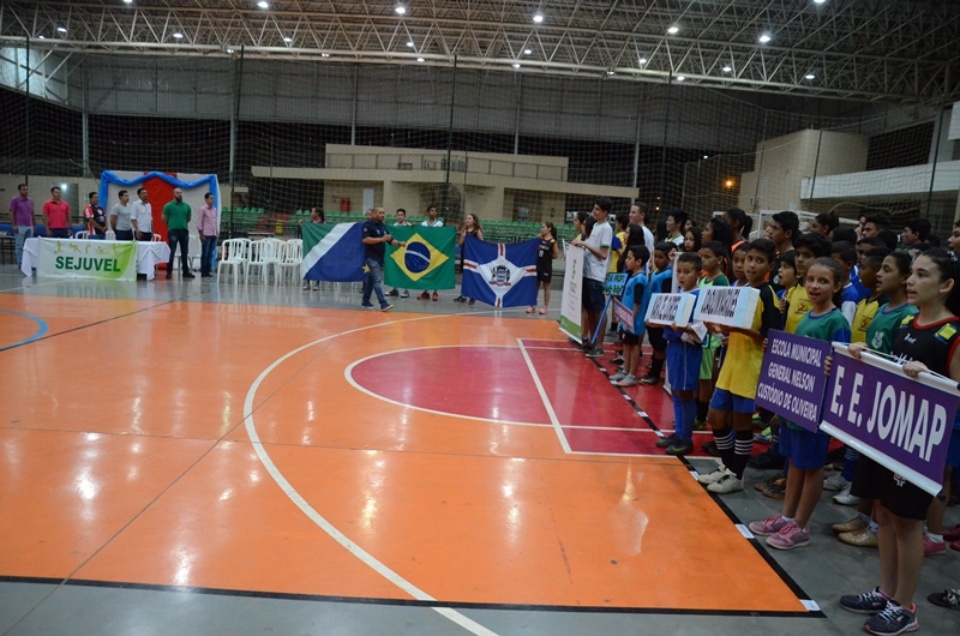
x=610, y=72
x=324, y=55
x=528, y=51
x=421, y=60
x=538, y=17
x=642, y=61
x=727, y=69
x=515, y=65
x=410, y=44
x=673, y=30
x=810, y=76
x=178, y=35
x=401, y=10
x=230, y=50
x=680, y=78
x=287, y=39
x=763, y=39
x=263, y=4
x=62, y=29
x=128, y=1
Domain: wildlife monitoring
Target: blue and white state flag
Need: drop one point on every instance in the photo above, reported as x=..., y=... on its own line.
x=500, y=275
x=332, y=252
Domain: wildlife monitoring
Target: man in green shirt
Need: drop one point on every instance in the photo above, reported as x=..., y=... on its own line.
x=176, y=215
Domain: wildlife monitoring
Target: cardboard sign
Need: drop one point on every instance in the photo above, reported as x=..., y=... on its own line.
x=792, y=379
x=570, y=302
x=623, y=314
x=670, y=309
x=902, y=423
x=731, y=306
x=614, y=284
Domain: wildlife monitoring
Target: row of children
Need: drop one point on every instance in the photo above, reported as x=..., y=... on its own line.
x=908, y=307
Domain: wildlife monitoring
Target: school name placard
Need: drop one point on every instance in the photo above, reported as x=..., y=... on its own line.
x=902, y=423
x=731, y=306
x=792, y=378
x=669, y=309
x=101, y=260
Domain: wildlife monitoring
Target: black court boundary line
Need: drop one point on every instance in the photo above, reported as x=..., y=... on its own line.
x=771, y=562
x=94, y=324
x=364, y=600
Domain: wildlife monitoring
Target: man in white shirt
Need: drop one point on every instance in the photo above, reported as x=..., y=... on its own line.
x=431, y=221
x=597, y=246
x=141, y=216
x=676, y=219
x=120, y=218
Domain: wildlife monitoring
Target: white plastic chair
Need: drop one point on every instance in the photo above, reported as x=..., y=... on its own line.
x=263, y=256
x=290, y=258
x=81, y=236
x=234, y=256
x=110, y=236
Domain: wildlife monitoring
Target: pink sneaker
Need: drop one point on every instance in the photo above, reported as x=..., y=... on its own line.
x=543, y=312
x=768, y=526
x=789, y=537
x=530, y=310
x=931, y=547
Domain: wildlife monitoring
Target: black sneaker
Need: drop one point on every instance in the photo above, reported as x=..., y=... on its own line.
x=668, y=441
x=394, y=292
x=650, y=379
x=767, y=460
x=680, y=449
x=595, y=353
x=710, y=448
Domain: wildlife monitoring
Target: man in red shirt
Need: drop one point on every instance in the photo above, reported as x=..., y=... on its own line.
x=56, y=215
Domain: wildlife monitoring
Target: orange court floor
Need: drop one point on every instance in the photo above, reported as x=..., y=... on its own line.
x=177, y=458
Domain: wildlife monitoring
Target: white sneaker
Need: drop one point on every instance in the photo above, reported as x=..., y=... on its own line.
x=844, y=498
x=713, y=477
x=727, y=484
x=404, y=294
x=835, y=483
x=306, y=285
x=616, y=378
x=630, y=380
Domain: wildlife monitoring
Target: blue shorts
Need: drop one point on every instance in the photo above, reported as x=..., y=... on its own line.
x=953, y=451
x=806, y=450
x=683, y=365
x=724, y=400
x=593, y=299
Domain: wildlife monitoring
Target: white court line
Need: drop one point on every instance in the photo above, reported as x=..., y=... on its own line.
x=368, y=559
x=558, y=429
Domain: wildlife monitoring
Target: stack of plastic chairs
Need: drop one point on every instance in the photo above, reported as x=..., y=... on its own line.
x=291, y=255
x=234, y=256
x=263, y=257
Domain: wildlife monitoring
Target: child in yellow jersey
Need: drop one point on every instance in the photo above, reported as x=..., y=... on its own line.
x=867, y=308
x=739, y=375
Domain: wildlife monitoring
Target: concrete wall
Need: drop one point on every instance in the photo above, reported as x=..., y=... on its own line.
x=784, y=162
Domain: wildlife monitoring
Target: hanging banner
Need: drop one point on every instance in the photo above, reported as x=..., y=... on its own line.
x=571, y=302
x=900, y=423
x=730, y=306
x=670, y=309
x=792, y=378
x=100, y=260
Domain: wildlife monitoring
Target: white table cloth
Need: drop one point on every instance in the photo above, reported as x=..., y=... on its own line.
x=149, y=255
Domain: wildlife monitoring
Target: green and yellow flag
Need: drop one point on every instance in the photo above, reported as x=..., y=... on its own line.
x=427, y=261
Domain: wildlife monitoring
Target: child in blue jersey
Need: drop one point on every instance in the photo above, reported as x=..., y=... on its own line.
x=807, y=451
x=660, y=283
x=684, y=352
x=635, y=259
x=846, y=256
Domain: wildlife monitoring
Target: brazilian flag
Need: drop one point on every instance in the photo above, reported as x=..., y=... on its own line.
x=427, y=261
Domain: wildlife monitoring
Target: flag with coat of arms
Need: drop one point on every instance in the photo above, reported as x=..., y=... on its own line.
x=499, y=274
x=425, y=262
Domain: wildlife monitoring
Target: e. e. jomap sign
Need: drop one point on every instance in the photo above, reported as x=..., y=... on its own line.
x=792, y=378
x=899, y=422
x=101, y=260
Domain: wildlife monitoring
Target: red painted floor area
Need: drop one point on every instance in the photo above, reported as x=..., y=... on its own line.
x=495, y=383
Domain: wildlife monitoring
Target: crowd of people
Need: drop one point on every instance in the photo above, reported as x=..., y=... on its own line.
x=127, y=221
x=897, y=293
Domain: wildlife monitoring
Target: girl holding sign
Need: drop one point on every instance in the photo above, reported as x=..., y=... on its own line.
x=807, y=451
x=929, y=341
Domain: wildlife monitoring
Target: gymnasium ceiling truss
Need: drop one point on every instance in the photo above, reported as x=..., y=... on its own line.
x=891, y=50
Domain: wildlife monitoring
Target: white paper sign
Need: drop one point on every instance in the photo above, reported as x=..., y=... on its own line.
x=670, y=309
x=731, y=306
